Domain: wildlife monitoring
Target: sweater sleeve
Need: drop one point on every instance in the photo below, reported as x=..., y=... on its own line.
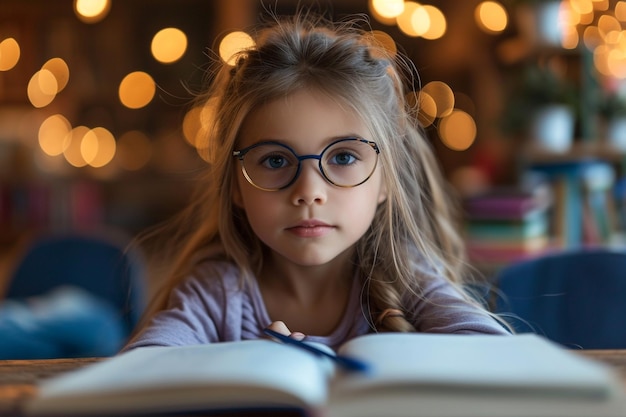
x=200, y=310
x=443, y=309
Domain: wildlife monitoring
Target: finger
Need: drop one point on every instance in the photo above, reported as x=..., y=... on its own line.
x=297, y=335
x=281, y=327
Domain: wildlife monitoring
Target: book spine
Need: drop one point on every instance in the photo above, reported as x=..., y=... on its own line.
x=508, y=230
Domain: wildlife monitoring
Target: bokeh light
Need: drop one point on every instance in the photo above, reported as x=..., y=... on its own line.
x=620, y=11
x=53, y=135
x=9, y=54
x=388, y=8
x=192, y=126
x=72, y=153
x=427, y=109
x=168, y=45
x=570, y=39
x=91, y=11
x=420, y=20
x=42, y=88
x=457, y=130
x=60, y=70
x=581, y=7
x=601, y=5
x=437, y=23
x=592, y=37
x=196, y=128
x=607, y=25
x=98, y=147
x=601, y=60
x=597, y=25
x=617, y=63
x=586, y=19
x=442, y=95
x=380, y=18
x=405, y=20
x=136, y=90
x=232, y=44
x=491, y=17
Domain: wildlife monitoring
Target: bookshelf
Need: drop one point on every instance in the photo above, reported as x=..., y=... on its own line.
x=584, y=194
x=131, y=204
x=508, y=224
x=583, y=180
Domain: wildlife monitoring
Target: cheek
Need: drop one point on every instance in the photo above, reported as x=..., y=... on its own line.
x=258, y=221
x=379, y=177
x=378, y=186
x=263, y=215
x=364, y=201
x=258, y=205
x=382, y=195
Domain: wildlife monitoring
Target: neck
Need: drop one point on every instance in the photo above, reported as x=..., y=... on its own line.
x=308, y=285
x=308, y=299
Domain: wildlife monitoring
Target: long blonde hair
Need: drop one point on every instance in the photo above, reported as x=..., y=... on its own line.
x=413, y=234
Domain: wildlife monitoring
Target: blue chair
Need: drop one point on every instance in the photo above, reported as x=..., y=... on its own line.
x=576, y=298
x=72, y=295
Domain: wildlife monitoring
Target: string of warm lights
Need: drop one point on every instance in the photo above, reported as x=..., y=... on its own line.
x=436, y=100
x=595, y=23
x=427, y=21
x=80, y=145
x=97, y=147
x=599, y=26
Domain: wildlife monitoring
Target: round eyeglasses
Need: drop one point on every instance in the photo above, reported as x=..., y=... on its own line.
x=273, y=166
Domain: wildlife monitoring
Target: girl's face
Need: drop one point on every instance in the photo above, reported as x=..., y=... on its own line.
x=310, y=222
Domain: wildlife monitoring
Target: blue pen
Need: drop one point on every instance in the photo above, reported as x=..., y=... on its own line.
x=347, y=363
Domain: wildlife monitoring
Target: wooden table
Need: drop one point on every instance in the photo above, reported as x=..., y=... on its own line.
x=18, y=378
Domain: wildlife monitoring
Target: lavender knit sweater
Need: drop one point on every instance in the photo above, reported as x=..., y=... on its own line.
x=211, y=306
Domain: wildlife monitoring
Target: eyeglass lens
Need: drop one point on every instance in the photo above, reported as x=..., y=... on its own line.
x=345, y=163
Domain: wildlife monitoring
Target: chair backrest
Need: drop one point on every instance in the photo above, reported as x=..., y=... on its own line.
x=103, y=265
x=576, y=298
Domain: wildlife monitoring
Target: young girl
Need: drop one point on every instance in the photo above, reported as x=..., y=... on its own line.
x=323, y=214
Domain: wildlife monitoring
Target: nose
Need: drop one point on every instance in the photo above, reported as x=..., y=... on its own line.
x=310, y=187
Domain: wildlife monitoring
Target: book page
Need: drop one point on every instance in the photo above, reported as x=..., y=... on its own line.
x=520, y=363
x=430, y=375
x=222, y=375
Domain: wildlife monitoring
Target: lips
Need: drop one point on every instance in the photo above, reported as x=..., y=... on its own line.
x=310, y=228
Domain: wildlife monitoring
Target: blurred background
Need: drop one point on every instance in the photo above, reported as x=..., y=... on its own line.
x=98, y=128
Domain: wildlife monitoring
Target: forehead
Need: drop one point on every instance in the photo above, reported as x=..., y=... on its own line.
x=306, y=118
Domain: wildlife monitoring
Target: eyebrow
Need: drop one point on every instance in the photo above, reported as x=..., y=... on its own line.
x=289, y=142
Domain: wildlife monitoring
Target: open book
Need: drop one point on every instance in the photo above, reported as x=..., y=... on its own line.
x=410, y=375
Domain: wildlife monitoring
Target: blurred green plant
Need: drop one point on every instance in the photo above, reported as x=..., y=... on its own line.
x=532, y=88
x=611, y=105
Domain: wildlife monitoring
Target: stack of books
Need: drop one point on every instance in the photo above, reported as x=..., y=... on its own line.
x=506, y=225
x=55, y=205
x=600, y=218
x=584, y=212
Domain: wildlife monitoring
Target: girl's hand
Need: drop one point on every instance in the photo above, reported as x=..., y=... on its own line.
x=281, y=327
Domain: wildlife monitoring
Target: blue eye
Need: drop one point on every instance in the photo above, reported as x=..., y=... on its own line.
x=342, y=158
x=275, y=161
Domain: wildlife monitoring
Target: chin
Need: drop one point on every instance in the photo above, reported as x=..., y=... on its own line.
x=309, y=260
